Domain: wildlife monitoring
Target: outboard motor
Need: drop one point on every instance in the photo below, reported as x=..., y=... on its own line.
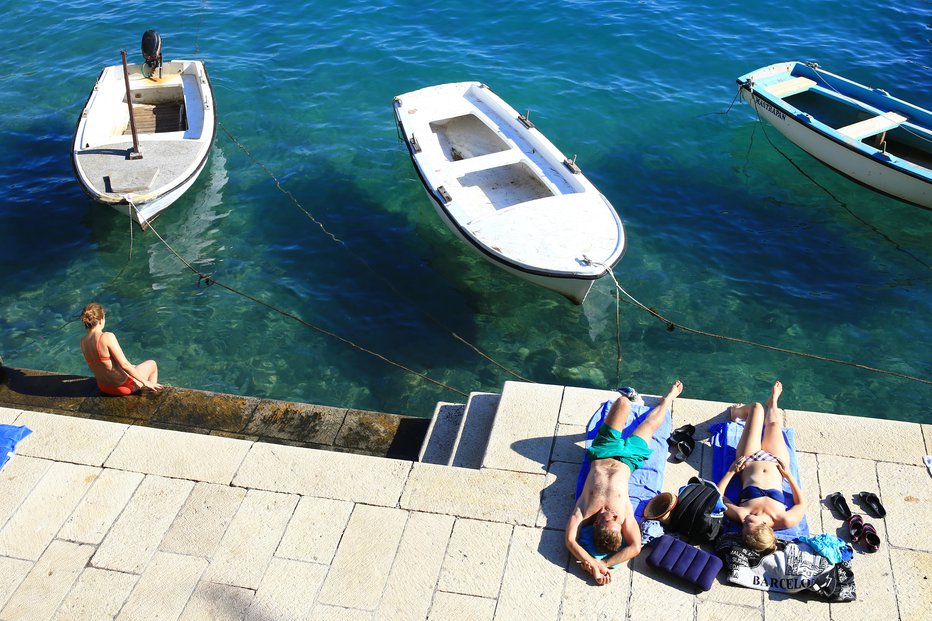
x=152, y=52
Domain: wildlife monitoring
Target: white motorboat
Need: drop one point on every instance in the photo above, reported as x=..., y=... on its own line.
x=502, y=187
x=141, y=170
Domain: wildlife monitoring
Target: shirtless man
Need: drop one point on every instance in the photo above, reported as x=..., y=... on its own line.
x=762, y=463
x=604, y=501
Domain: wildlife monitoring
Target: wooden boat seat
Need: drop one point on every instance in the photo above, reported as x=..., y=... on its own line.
x=872, y=126
x=790, y=87
x=485, y=162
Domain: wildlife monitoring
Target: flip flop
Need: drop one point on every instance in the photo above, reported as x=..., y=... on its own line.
x=684, y=448
x=855, y=527
x=681, y=433
x=837, y=501
x=872, y=502
x=870, y=538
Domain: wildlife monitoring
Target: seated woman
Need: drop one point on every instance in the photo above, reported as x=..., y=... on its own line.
x=114, y=373
x=762, y=459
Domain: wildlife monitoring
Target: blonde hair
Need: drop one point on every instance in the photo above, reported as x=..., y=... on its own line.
x=92, y=315
x=606, y=539
x=761, y=539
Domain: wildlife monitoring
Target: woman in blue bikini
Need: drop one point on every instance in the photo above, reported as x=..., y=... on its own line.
x=762, y=458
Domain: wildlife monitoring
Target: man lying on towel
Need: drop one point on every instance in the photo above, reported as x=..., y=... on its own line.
x=762, y=459
x=604, y=501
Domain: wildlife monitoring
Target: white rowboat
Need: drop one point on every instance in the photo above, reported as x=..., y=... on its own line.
x=506, y=190
x=864, y=133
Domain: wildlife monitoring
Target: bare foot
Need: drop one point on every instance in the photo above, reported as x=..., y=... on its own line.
x=736, y=412
x=675, y=390
x=775, y=393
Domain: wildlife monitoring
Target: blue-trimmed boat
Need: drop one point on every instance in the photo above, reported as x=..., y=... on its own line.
x=864, y=133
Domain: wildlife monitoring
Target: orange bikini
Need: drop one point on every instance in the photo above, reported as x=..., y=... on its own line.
x=126, y=388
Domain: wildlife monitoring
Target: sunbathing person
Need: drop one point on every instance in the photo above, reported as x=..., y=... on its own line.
x=115, y=374
x=763, y=464
x=604, y=502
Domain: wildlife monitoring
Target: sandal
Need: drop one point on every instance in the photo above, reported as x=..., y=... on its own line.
x=837, y=501
x=872, y=502
x=855, y=527
x=684, y=448
x=870, y=538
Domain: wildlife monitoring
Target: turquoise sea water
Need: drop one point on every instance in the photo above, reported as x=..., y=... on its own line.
x=725, y=235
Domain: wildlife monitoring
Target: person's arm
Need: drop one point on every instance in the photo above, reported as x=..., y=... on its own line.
x=731, y=510
x=596, y=568
x=116, y=352
x=795, y=515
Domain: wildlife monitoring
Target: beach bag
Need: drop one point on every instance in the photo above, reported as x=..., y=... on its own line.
x=693, y=516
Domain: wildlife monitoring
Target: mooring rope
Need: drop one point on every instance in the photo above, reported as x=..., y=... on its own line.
x=361, y=260
x=671, y=325
x=209, y=280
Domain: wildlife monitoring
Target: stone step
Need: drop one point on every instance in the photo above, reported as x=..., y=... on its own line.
x=525, y=424
x=475, y=427
x=442, y=433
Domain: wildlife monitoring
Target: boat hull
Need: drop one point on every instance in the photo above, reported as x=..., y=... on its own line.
x=855, y=157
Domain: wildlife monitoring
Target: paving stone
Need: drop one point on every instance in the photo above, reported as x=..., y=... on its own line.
x=370, y=431
x=323, y=612
x=534, y=575
x=650, y=586
x=569, y=444
x=457, y=607
x=284, y=419
x=69, y=438
x=522, y=435
x=834, y=434
x=164, y=588
x=179, y=455
x=203, y=520
x=217, y=602
x=47, y=584
x=714, y=611
x=558, y=496
x=583, y=600
x=809, y=483
x=701, y=414
x=42, y=391
x=249, y=542
x=580, y=403
x=416, y=568
x=361, y=565
x=724, y=592
x=927, y=438
x=98, y=594
x=495, y=495
x=876, y=591
x=136, y=534
x=17, y=480
x=208, y=410
x=101, y=506
x=795, y=606
x=8, y=416
x=315, y=530
x=42, y=513
x=912, y=573
x=287, y=590
x=324, y=474
x=846, y=475
x=907, y=496
x=475, y=558
x=137, y=408
x=12, y=572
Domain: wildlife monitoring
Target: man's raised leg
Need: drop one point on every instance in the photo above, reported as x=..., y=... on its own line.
x=655, y=417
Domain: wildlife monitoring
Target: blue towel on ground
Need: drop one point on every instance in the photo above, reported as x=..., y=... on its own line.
x=646, y=482
x=724, y=439
x=10, y=436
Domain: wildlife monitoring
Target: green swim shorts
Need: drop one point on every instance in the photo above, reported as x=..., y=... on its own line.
x=631, y=451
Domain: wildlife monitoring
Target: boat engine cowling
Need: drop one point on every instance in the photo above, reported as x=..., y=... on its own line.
x=152, y=52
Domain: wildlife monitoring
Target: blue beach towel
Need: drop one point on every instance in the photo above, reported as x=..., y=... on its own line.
x=645, y=483
x=9, y=437
x=724, y=439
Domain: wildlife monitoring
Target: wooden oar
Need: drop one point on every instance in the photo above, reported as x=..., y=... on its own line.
x=134, y=154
